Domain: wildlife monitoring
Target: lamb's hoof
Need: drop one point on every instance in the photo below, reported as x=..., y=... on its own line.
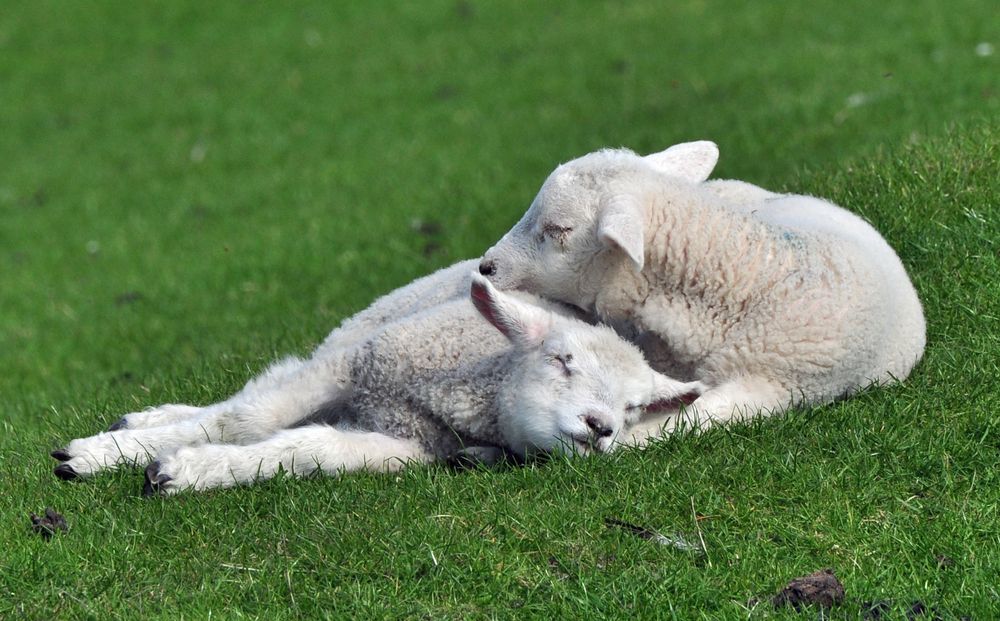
x=66, y=472
x=61, y=455
x=154, y=480
x=121, y=423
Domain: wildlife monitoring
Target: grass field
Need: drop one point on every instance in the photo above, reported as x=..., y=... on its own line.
x=188, y=190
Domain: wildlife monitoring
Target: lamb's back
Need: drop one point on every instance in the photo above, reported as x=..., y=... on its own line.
x=426, y=293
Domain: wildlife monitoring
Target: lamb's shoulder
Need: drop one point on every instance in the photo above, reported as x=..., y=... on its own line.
x=438, y=371
x=707, y=267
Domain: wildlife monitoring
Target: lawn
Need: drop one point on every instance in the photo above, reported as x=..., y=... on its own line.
x=189, y=190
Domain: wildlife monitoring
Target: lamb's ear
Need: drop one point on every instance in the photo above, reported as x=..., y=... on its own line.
x=524, y=324
x=622, y=226
x=668, y=391
x=691, y=161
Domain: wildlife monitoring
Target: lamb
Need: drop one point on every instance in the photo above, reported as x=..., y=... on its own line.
x=417, y=377
x=771, y=300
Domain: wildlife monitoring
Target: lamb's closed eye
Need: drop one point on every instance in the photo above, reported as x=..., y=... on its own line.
x=563, y=362
x=556, y=232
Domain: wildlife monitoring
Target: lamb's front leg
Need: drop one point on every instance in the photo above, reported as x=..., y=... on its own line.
x=300, y=451
x=166, y=414
x=108, y=450
x=736, y=400
x=286, y=393
x=651, y=426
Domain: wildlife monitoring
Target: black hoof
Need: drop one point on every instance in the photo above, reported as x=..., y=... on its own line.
x=121, y=423
x=61, y=455
x=154, y=480
x=66, y=472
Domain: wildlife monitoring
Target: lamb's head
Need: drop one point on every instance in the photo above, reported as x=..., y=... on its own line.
x=589, y=217
x=572, y=386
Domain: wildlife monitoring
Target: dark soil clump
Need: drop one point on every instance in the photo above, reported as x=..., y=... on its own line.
x=821, y=589
x=49, y=524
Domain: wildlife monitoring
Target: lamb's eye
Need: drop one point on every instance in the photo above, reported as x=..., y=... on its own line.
x=563, y=361
x=555, y=232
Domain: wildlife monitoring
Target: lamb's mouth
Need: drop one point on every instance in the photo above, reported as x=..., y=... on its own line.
x=586, y=444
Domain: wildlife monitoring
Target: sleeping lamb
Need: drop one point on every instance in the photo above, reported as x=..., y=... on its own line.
x=417, y=377
x=769, y=299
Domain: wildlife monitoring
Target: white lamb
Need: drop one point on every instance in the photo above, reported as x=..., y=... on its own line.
x=771, y=300
x=416, y=377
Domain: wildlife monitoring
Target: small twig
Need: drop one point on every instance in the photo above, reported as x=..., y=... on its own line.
x=674, y=541
x=239, y=567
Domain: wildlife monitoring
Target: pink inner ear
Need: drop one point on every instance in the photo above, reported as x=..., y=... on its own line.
x=671, y=404
x=484, y=303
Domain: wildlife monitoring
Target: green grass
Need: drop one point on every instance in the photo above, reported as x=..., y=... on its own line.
x=189, y=190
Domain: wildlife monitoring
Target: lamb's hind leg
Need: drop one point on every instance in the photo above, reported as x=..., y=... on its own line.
x=170, y=413
x=300, y=451
x=284, y=395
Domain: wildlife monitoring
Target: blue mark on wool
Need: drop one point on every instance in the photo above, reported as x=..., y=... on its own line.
x=793, y=240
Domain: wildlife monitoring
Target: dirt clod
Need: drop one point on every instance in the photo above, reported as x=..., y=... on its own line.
x=49, y=524
x=126, y=298
x=821, y=588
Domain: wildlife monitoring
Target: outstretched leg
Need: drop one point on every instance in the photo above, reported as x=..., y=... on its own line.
x=284, y=395
x=648, y=427
x=301, y=451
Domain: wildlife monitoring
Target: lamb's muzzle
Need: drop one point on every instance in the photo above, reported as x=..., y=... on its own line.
x=599, y=428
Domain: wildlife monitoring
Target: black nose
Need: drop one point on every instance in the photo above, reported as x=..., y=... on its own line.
x=487, y=267
x=597, y=426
